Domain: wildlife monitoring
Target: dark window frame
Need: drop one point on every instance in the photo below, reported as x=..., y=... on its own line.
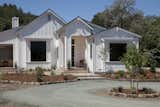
x=38, y=51
x=117, y=49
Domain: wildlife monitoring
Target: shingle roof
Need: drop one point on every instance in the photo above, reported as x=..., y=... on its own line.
x=11, y=31
x=96, y=28
x=118, y=32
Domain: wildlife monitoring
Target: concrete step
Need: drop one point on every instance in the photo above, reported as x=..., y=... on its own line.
x=7, y=69
x=91, y=78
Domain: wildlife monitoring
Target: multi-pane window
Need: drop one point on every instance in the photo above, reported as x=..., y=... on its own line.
x=38, y=51
x=117, y=50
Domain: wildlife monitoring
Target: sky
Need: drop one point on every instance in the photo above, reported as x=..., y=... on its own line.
x=69, y=9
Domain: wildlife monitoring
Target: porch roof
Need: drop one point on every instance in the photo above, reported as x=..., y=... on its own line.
x=93, y=27
x=118, y=33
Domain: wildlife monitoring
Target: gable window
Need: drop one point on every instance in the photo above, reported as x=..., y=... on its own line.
x=38, y=51
x=117, y=50
x=91, y=50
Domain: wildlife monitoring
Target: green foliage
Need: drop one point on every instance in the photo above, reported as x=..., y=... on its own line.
x=7, y=11
x=39, y=74
x=134, y=59
x=103, y=53
x=121, y=73
x=122, y=13
x=2, y=76
x=53, y=73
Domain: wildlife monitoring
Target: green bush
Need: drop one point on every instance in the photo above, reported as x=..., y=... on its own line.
x=121, y=73
x=39, y=74
x=1, y=76
x=53, y=73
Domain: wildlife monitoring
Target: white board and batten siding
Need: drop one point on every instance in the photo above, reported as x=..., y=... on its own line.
x=41, y=29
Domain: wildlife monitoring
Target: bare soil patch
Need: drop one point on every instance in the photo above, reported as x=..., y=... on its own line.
x=25, y=77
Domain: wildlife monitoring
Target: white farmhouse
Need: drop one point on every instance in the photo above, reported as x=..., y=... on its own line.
x=49, y=41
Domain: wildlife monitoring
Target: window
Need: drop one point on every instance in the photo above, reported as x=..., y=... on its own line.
x=38, y=51
x=117, y=50
x=91, y=50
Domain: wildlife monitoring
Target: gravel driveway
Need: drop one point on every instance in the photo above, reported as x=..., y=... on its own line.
x=79, y=94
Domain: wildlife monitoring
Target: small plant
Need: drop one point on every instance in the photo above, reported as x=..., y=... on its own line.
x=69, y=64
x=148, y=90
x=54, y=67
x=1, y=76
x=121, y=73
x=39, y=74
x=120, y=89
x=52, y=73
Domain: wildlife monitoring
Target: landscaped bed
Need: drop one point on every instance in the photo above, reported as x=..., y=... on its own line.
x=134, y=93
x=33, y=78
x=142, y=76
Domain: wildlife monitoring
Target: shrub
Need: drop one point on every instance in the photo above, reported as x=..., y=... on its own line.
x=120, y=89
x=121, y=73
x=2, y=76
x=39, y=74
x=52, y=73
x=54, y=67
x=148, y=90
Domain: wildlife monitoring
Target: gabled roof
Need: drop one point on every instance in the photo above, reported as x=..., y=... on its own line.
x=48, y=11
x=119, y=32
x=12, y=31
x=94, y=28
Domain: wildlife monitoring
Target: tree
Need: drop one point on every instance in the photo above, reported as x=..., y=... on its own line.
x=7, y=11
x=122, y=14
x=103, y=55
x=134, y=60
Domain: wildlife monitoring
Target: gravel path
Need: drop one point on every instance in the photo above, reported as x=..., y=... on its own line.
x=79, y=94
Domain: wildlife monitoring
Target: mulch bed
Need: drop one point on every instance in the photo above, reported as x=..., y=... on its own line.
x=133, y=93
x=146, y=76
x=24, y=77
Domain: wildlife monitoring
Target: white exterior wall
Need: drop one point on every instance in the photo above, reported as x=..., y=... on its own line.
x=111, y=65
x=41, y=29
x=9, y=38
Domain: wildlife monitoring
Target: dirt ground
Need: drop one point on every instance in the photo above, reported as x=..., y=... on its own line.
x=8, y=87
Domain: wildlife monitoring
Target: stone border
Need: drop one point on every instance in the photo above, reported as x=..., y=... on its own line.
x=147, y=80
x=154, y=95
x=35, y=83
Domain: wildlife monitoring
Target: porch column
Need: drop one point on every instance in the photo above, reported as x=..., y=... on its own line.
x=65, y=52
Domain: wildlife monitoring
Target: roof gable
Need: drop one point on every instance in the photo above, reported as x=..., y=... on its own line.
x=118, y=32
x=40, y=21
x=93, y=27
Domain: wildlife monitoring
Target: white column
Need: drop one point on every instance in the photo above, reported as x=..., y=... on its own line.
x=65, y=51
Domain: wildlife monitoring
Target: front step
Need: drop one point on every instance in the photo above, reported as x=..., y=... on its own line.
x=85, y=76
x=6, y=69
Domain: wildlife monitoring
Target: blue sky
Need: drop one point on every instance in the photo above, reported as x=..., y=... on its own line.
x=68, y=9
